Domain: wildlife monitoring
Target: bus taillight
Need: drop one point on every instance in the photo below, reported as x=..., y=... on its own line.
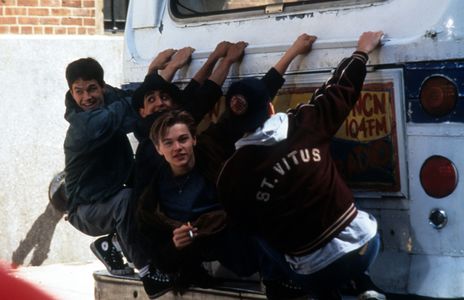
x=438, y=176
x=438, y=95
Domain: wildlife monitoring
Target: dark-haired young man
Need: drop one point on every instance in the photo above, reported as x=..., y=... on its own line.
x=98, y=159
x=282, y=185
x=99, y=162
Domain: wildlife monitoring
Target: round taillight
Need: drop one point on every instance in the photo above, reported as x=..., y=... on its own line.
x=438, y=176
x=438, y=96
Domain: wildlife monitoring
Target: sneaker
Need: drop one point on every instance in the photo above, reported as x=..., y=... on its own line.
x=156, y=283
x=277, y=290
x=106, y=252
x=371, y=295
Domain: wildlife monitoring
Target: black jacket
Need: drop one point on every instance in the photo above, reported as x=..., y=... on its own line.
x=98, y=156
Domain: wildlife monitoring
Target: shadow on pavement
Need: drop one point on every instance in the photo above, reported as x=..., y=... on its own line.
x=38, y=239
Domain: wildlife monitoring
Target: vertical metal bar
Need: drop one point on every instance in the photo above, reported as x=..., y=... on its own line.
x=113, y=18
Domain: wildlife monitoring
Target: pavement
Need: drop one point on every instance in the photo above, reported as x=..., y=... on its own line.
x=75, y=281
x=72, y=281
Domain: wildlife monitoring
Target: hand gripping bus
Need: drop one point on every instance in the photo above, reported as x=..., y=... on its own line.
x=399, y=149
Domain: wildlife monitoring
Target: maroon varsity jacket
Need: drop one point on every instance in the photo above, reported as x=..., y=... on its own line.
x=290, y=193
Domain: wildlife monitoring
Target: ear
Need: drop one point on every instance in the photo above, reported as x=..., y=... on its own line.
x=142, y=112
x=194, y=141
x=270, y=109
x=158, y=150
x=71, y=92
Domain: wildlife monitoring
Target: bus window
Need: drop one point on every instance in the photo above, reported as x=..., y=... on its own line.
x=197, y=8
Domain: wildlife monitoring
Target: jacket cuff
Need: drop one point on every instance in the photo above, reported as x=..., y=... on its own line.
x=213, y=87
x=361, y=56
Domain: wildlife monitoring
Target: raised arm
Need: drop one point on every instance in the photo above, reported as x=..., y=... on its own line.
x=205, y=71
x=302, y=45
x=234, y=54
x=273, y=79
x=178, y=60
x=208, y=94
x=333, y=101
x=160, y=61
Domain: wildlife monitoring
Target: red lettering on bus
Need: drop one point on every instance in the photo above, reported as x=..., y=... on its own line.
x=366, y=128
x=369, y=104
x=380, y=105
x=381, y=126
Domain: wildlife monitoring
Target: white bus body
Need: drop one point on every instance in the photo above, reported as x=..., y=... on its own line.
x=400, y=149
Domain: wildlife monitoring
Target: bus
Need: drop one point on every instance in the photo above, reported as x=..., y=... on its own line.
x=399, y=149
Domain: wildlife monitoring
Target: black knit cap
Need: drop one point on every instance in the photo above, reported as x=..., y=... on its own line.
x=257, y=97
x=154, y=82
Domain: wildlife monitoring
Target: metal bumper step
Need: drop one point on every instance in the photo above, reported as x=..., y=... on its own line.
x=109, y=287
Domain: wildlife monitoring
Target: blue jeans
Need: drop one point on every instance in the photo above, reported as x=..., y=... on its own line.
x=348, y=267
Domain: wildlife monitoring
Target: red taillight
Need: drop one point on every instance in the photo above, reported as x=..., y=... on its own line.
x=438, y=96
x=438, y=176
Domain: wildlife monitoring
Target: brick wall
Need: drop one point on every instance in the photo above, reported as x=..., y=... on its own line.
x=69, y=17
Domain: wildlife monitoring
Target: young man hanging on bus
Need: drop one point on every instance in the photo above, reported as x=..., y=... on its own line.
x=179, y=210
x=99, y=160
x=282, y=185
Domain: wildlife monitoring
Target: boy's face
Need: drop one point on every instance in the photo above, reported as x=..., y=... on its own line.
x=238, y=104
x=155, y=101
x=177, y=148
x=88, y=94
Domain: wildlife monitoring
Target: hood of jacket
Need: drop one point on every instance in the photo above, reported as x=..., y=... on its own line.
x=274, y=130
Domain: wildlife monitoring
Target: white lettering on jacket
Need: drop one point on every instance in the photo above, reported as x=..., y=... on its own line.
x=284, y=165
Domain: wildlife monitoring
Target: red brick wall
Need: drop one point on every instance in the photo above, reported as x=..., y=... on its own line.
x=50, y=17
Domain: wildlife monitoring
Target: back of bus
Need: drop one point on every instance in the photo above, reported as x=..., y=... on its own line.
x=399, y=149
